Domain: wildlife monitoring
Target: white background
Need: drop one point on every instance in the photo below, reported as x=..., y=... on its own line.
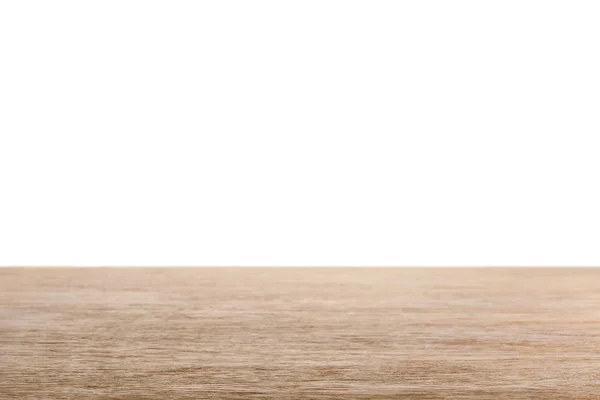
x=299, y=132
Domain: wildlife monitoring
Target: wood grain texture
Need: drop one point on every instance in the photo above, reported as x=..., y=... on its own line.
x=251, y=333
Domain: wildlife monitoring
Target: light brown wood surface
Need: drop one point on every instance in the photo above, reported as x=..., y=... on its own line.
x=250, y=333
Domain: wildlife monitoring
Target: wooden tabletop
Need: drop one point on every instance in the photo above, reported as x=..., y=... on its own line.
x=299, y=333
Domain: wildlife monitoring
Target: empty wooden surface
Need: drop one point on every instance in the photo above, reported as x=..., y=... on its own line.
x=343, y=333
